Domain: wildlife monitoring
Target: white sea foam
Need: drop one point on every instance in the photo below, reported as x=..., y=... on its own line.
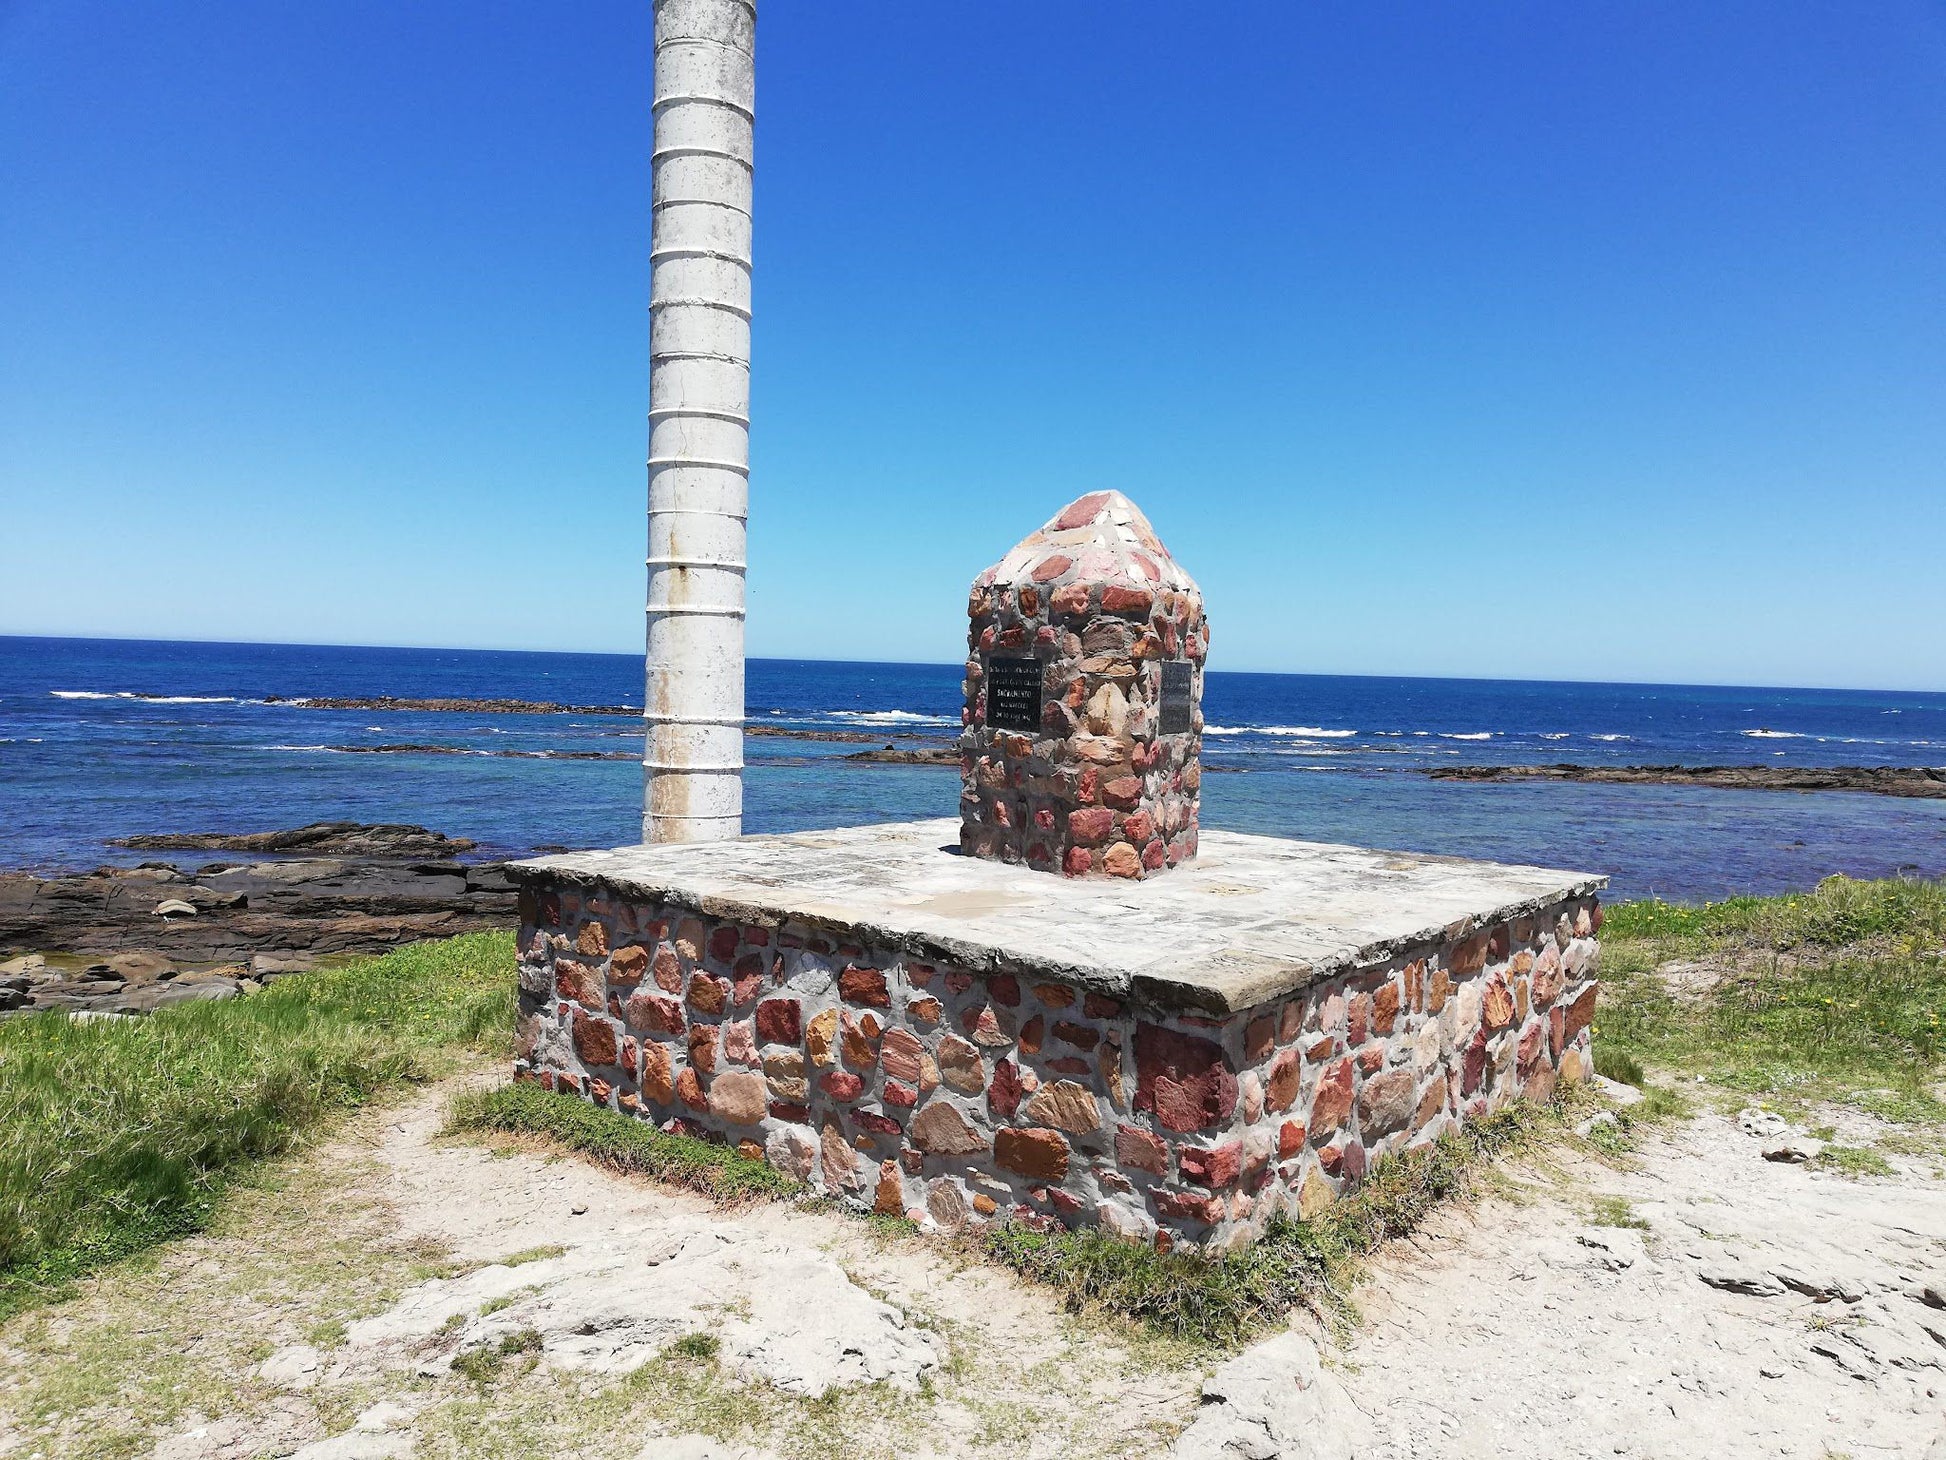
x=129, y=694
x=1475, y=735
x=1556, y=735
x=1295, y=732
x=1611, y=738
x=892, y=717
x=1773, y=735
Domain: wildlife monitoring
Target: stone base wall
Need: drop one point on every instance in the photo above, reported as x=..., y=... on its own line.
x=952, y=1096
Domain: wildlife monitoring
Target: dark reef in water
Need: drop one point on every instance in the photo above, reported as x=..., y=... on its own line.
x=1918, y=781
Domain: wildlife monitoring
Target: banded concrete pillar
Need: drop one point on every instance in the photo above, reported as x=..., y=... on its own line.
x=699, y=419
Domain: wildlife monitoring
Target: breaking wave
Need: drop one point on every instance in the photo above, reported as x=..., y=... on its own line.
x=129, y=694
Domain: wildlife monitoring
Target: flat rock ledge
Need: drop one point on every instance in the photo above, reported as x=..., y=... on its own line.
x=1926, y=782
x=128, y=940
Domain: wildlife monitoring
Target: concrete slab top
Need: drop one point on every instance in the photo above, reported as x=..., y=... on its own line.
x=1251, y=918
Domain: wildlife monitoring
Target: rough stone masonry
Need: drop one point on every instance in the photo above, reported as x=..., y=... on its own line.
x=961, y=1040
x=1084, y=673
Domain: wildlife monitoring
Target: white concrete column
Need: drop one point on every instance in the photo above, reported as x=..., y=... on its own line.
x=699, y=418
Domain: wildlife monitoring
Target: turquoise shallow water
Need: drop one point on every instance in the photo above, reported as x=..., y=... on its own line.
x=106, y=738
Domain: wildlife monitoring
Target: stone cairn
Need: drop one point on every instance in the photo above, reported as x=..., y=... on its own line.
x=1084, y=683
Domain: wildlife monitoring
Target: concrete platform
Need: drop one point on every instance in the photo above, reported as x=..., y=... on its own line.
x=1251, y=919
x=961, y=1041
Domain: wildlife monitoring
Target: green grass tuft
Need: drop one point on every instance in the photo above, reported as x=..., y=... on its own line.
x=1614, y=1063
x=621, y=1142
x=1309, y=1264
x=700, y=1348
x=118, y=1133
x=1853, y=1161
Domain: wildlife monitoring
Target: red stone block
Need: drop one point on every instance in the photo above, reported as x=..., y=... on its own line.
x=1003, y=988
x=1100, y=1006
x=1185, y=1081
x=1005, y=1091
x=1332, y=1102
x=841, y=1085
x=864, y=986
x=1212, y=1166
x=723, y=944
x=1140, y=1150
x=1032, y=1152
x=780, y=1021
x=1189, y=1206
x=655, y=1013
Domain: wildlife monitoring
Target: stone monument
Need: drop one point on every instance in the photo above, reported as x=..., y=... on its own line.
x=921, y=1019
x=1084, y=673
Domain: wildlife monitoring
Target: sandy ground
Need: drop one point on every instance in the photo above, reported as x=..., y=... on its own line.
x=1764, y=1309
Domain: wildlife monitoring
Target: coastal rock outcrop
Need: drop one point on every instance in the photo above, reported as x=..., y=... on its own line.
x=127, y=940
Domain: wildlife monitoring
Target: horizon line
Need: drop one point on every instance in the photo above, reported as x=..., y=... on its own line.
x=947, y=664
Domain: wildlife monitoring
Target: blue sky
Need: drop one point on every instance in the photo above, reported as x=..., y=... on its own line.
x=1599, y=341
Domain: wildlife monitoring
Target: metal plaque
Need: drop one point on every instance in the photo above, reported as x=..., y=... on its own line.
x=1014, y=695
x=1178, y=689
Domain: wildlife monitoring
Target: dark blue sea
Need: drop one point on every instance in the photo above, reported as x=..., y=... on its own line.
x=101, y=739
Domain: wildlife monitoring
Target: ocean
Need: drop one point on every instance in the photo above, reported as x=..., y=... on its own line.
x=106, y=738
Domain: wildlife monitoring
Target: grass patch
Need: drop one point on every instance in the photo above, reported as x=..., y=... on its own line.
x=1853, y=1161
x=1309, y=1264
x=1838, y=994
x=1615, y=1211
x=116, y=1134
x=701, y=1348
x=621, y=1142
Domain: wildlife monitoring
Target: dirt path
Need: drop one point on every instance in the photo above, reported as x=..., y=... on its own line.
x=596, y=1316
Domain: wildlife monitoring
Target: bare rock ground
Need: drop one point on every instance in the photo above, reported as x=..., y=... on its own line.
x=1766, y=1309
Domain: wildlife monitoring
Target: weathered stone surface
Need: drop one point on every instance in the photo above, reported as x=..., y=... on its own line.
x=738, y=1098
x=1041, y=1155
x=1212, y=1166
x=1497, y=1004
x=902, y=1055
x=689, y=1090
x=1581, y=1012
x=1331, y=1104
x=1004, y=1094
x=838, y=1162
x=658, y=1077
x=780, y=1021
x=987, y=1026
x=947, y=1203
x=841, y=1085
x=577, y=983
x=1385, y=1103
x=629, y=965
x=859, y=1038
x=1286, y=1075
x=821, y=1038
x=960, y=1065
x=1274, y=1400
x=785, y=1072
x=1066, y=1105
x=864, y=986
x=1141, y=1150
x=793, y=1150
x=941, y=1129
x=594, y=1040
x=1185, y=1080
x=708, y=995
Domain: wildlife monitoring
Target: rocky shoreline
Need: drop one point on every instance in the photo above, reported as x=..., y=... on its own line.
x=126, y=940
x=1915, y=781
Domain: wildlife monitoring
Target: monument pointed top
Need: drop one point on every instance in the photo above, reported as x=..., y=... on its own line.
x=1100, y=537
